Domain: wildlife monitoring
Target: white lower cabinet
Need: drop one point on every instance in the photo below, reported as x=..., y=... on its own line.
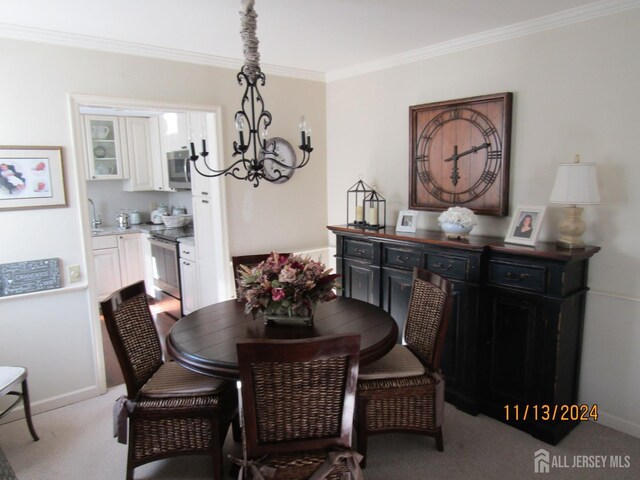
x=188, y=278
x=119, y=261
x=107, y=262
x=131, y=258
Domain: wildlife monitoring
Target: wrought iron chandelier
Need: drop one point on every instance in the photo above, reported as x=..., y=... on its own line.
x=252, y=122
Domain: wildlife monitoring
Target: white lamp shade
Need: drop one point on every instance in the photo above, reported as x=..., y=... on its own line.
x=576, y=184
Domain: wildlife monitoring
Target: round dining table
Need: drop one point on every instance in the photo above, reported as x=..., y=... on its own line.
x=205, y=340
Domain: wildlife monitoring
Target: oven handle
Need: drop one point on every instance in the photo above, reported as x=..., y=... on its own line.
x=166, y=244
x=187, y=170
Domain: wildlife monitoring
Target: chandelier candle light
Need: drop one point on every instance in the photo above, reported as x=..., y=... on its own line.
x=252, y=121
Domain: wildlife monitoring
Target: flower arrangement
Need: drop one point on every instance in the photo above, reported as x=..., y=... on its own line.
x=286, y=285
x=458, y=215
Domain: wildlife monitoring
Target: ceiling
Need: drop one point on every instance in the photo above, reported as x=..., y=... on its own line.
x=323, y=37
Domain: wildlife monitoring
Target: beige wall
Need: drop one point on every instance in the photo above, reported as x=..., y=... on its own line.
x=52, y=333
x=575, y=91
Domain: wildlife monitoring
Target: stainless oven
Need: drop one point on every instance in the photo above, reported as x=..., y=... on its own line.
x=166, y=273
x=179, y=169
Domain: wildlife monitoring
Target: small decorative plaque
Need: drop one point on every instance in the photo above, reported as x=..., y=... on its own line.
x=29, y=276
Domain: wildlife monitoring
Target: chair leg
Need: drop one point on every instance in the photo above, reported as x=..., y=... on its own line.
x=216, y=444
x=361, y=432
x=439, y=440
x=27, y=409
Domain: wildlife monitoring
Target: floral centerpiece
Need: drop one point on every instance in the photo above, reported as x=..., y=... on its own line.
x=286, y=286
x=457, y=221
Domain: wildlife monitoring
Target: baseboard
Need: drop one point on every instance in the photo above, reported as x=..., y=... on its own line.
x=52, y=403
x=620, y=424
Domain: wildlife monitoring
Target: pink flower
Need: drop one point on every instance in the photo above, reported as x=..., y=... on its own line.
x=287, y=274
x=277, y=294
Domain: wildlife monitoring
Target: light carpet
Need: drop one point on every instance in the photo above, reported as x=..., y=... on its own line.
x=76, y=443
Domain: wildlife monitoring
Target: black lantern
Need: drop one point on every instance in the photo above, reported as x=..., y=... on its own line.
x=375, y=211
x=355, y=203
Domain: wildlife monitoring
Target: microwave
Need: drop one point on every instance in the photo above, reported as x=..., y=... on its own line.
x=179, y=170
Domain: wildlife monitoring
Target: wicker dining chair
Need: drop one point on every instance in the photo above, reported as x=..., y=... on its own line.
x=171, y=410
x=297, y=406
x=404, y=390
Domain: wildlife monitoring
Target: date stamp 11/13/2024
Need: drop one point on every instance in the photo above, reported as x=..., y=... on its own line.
x=551, y=413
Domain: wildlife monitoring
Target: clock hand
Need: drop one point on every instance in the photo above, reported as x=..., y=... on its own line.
x=455, y=171
x=457, y=155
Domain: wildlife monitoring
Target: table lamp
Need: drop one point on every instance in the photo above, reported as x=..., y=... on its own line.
x=576, y=184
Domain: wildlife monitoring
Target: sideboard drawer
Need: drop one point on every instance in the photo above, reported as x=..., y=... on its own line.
x=398, y=257
x=357, y=249
x=447, y=266
x=526, y=277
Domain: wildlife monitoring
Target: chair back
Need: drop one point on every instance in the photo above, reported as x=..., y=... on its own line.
x=298, y=395
x=428, y=316
x=133, y=335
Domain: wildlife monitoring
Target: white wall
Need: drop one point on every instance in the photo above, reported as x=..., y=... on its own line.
x=575, y=91
x=52, y=334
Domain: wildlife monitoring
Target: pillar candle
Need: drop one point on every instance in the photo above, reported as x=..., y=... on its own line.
x=359, y=214
x=372, y=216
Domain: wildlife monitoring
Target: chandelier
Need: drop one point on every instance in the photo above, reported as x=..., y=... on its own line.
x=253, y=147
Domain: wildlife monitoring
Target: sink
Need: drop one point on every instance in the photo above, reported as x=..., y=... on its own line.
x=95, y=231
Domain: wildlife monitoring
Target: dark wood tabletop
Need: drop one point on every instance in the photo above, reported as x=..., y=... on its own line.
x=205, y=340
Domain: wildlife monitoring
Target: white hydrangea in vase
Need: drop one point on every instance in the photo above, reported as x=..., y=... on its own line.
x=457, y=222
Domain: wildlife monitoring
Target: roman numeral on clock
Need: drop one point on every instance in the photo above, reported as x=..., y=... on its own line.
x=488, y=177
x=494, y=155
x=425, y=176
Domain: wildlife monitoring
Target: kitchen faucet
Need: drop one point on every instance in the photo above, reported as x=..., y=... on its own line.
x=95, y=221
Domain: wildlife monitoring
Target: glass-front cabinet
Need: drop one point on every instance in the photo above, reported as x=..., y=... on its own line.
x=104, y=152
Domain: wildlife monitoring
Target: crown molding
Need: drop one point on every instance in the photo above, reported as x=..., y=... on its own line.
x=18, y=32
x=567, y=17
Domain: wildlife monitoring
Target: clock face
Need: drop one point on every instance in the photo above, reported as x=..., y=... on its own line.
x=460, y=154
x=279, y=155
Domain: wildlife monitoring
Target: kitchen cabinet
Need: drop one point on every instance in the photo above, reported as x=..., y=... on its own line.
x=107, y=268
x=173, y=131
x=141, y=154
x=514, y=336
x=118, y=260
x=188, y=278
x=104, y=148
x=131, y=258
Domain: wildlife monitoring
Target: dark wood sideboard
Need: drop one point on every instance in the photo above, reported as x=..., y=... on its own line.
x=515, y=335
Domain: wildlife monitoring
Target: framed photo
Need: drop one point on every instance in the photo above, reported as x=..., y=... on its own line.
x=525, y=225
x=407, y=220
x=31, y=177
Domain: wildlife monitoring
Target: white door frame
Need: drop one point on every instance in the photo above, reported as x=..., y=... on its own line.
x=75, y=102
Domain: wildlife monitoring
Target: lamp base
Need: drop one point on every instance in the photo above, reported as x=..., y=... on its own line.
x=571, y=228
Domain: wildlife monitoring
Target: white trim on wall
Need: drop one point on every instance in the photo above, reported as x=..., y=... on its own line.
x=548, y=22
x=19, y=32
x=560, y=19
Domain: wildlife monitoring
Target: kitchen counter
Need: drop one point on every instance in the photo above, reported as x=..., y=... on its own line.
x=114, y=230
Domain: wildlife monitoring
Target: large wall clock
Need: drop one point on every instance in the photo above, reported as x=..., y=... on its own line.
x=460, y=154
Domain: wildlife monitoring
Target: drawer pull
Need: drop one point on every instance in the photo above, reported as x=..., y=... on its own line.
x=442, y=267
x=360, y=251
x=517, y=277
x=186, y=252
x=403, y=259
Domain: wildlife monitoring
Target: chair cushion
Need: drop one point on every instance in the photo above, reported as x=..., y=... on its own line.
x=173, y=380
x=399, y=362
x=11, y=376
